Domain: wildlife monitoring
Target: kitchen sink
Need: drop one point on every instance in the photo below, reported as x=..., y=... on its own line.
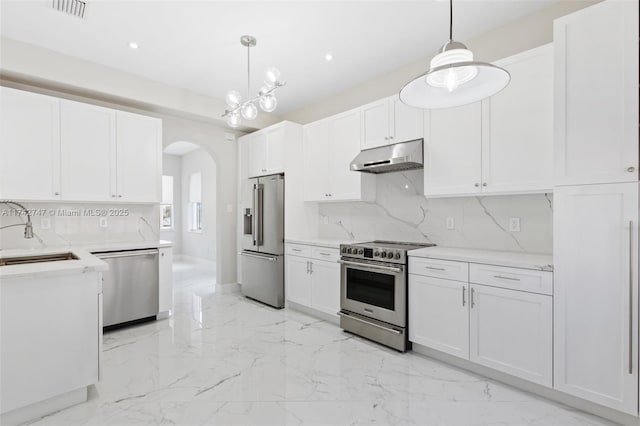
x=22, y=260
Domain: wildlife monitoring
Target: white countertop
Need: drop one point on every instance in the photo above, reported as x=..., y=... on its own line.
x=321, y=242
x=542, y=262
x=86, y=262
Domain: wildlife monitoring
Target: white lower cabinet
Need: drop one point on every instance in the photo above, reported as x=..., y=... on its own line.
x=511, y=331
x=313, y=281
x=439, y=315
x=165, y=280
x=490, y=324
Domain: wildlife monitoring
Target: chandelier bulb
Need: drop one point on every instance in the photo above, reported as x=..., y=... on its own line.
x=233, y=98
x=272, y=76
x=268, y=103
x=233, y=120
x=249, y=111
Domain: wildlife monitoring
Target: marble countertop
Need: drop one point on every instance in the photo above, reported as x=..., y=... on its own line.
x=542, y=262
x=320, y=242
x=86, y=262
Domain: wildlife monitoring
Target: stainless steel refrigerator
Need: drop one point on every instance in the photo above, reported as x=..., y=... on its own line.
x=262, y=253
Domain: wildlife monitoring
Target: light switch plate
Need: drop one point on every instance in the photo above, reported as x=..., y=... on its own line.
x=514, y=224
x=103, y=222
x=451, y=223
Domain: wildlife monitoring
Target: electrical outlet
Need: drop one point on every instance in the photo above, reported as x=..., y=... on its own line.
x=45, y=223
x=451, y=223
x=103, y=222
x=514, y=224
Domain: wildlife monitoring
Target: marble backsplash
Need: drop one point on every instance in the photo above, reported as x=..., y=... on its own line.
x=64, y=224
x=401, y=212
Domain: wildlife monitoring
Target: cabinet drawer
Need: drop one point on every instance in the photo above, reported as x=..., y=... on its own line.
x=328, y=254
x=298, y=250
x=530, y=280
x=447, y=269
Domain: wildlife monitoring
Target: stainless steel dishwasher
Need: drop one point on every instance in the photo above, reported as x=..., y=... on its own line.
x=130, y=286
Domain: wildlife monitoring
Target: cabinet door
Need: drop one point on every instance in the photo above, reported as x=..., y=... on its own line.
x=274, y=161
x=344, y=184
x=375, y=124
x=511, y=331
x=439, y=314
x=298, y=280
x=165, y=279
x=595, y=256
x=29, y=145
x=87, y=152
x=517, y=143
x=407, y=123
x=258, y=154
x=596, y=105
x=452, y=150
x=325, y=287
x=139, y=157
x=316, y=160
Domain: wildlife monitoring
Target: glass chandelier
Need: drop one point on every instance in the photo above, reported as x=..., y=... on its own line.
x=266, y=98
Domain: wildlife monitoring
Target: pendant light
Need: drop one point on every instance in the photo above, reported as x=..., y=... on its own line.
x=239, y=109
x=454, y=78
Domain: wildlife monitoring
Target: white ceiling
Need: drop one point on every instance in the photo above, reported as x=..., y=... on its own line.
x=180, y=148
x=195, y=44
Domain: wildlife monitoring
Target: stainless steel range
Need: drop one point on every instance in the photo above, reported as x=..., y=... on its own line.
x=373, y=291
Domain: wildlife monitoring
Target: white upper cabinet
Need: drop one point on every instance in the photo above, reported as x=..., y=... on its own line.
x=139, y=157
x=87, y=152
x=389, y=121
x=452, y=151
x=596, y=97
x=595, y=251
x=29, y=146
x=501, y=145
x=266, y=151
x=517, y=145
x=329, y=146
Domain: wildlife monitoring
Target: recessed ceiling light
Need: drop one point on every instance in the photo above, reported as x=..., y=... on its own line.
x=328, y=57
x=133, y=45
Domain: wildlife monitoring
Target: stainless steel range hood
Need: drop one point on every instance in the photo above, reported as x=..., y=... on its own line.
x=390, y=158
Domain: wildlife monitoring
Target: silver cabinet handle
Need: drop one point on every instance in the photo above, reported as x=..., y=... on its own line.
x=506, y=278
x=258, y=256
x=435, y=269
x=392, y=330
x=119, y=195
x=310, y=267
x=116, y=254
x=484, y=183
x=296, y=250
x=56, y=193
x=464, y=290
x=371, y=266
x=307, y=266
x=631, y=169
x=113, y=195
x=476, y=184
x=473, y=299
x=324, y=254
x=630, y=297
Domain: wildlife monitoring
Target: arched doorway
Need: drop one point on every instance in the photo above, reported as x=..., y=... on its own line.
x=189, y=209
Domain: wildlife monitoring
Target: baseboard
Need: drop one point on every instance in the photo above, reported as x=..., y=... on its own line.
x=549, y=393
x=43, y=408
x=228, y=288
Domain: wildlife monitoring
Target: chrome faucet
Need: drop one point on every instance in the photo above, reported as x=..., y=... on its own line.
x=28, y=227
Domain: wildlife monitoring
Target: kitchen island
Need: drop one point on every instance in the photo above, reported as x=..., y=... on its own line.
x=50, y=330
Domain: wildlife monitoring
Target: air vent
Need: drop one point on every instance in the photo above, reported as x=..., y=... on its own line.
x=70, y=7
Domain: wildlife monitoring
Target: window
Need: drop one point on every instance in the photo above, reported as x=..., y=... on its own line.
x=166, y=207
x=195, y=202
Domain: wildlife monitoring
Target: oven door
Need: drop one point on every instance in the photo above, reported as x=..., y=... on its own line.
x=374, y=289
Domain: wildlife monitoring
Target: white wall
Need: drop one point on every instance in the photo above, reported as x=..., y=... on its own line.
x=172, y=166
x=199, y=244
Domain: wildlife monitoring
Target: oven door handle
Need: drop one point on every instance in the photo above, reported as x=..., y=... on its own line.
x=370, y=266
x=392, y=330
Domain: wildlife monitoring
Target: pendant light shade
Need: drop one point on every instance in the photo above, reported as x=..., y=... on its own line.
x=454, y=78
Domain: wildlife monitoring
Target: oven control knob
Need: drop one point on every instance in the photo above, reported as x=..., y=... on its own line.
x=383, y=254
x=397, y=255
x=361, y=251
x=344, y=249
x=376, y=254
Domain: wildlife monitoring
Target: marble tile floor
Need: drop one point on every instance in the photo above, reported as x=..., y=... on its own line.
x=222, y=359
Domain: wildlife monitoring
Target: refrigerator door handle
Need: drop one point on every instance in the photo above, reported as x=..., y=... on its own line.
x=260, y=214
x=255, y=216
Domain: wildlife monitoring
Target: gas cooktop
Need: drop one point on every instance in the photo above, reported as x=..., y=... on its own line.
x=386, y=251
